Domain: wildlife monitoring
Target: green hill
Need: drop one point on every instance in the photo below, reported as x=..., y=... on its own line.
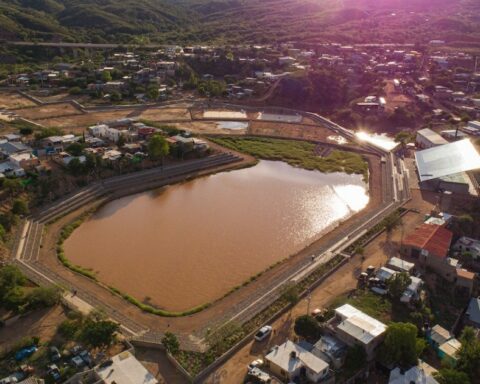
x=240, y=21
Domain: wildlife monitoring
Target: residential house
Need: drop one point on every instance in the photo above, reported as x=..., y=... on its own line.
x=24, y=160
x=412, y=293
x=472, y=315
x=420, y=374
x=125, y=369
x=289, y=361
x=444, y=344
x=448, y=351
x=430, y=244
x=399, y=265
x=331, y=350
x=354, y=327
x=468, y=245
x=8, y=148
x=437, y=336
x=426, y=138
x=464, y=281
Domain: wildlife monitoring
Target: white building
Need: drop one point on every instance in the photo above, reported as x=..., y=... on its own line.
x=125, y=369
x=420, y=374
x=289, y=361
x=467, y=244
x=426, y=138
x=354, y=327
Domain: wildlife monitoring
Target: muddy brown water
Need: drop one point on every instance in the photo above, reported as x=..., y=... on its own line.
x=188, y=244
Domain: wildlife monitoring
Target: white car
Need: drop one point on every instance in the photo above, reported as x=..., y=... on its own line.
x=263, y=333
x=255, y=364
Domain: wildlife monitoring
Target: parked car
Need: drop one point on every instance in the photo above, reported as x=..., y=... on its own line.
x=54, y=372
x=85, y=355
x=76, y=350
x=25, y=352
x=263, y=333
x=9, y=380
x=77, y=362
x=255, y=364
x=55, y=354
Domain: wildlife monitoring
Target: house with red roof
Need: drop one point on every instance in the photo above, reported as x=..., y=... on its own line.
x=430, y=245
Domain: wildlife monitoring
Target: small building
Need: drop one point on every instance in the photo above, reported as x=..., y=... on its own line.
x=24, y=160
x=472, y=315
x=399, y=265
x=125, y=369
x=426, y=138
x=8, y=148
x=468, y=245
x=354, y=327
x=331, y=350
x=437, y=336
x=448, y=351
x=428, y=242
x=412, y=292
x=420, y=374
x=289, y=361
x=464, y=281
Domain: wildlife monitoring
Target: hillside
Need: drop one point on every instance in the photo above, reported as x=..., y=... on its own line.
x=240, y=21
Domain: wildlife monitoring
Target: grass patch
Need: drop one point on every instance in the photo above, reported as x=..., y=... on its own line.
x=372, y=304
x=296, y=153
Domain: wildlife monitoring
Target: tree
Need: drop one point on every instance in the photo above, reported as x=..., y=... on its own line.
x=3, y=233
x=20, y=207
x=44, y=297
x=170, y=342
x=25, y=131
x=451, y=376
x=403, y=137
x=400, y=346
x=469, y=354
x=106, y=76
x=355, y=359
x=10, y=277
x=99, y=333
x=391, y=221
x=158, y=147
x=12, y=186
x=290, y=293
x=397, y=284
x=153, y=92
x=75, y=167
x=75, y=149
x=121, y=141
x=307, y=327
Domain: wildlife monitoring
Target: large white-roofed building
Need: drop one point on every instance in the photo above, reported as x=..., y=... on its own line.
x=354, y=327
x=445, y=166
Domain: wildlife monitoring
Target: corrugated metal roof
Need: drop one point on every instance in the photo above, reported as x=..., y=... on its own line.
x=433, y=238
x=473, y=311
x=448, y=159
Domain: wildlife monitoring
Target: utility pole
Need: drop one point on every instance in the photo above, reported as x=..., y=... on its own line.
x=309, y=299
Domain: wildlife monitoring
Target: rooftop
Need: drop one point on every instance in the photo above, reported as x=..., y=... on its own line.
x=398, y=263
x=439, y=334
x=359, y=325
x=421, y=374
x=126, y=369
x=281, y=356
x=448, y=159
x=473, y=310
x=433, y=238
x=432, y=136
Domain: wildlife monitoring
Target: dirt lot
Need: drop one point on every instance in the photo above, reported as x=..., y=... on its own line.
x=395, y=98
x=165, y=114
x=13, y=100
x=296, y=131
x=42, y=323
x=78, y=123
x=48, y=111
